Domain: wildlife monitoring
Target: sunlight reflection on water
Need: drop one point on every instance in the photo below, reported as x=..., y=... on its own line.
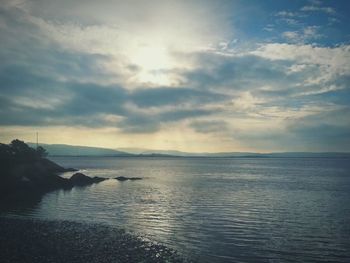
x=217, y=210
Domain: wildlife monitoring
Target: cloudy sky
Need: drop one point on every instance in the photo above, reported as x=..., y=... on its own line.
x=186, y=75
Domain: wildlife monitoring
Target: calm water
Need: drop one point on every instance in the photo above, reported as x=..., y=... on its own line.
x=218, y=210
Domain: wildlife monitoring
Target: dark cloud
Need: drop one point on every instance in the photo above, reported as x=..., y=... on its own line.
x=45, y=84
x=324, y=135
x=209, y=126
x=87, y=99
x=238, y=73
x=325, y=131
x=140, y=123
x=174, y=96
x=64, y=88
x=148, y=123
x=181, y=114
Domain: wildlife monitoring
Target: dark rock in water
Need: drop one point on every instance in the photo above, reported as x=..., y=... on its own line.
x=123, y=178
x=81, y=179
x=71, y=170
x=135, y=178
x=97, y=179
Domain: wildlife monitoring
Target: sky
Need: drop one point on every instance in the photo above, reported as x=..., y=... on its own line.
x=196, y=76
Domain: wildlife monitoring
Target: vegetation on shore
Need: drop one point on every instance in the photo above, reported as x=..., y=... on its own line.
x=25, y=172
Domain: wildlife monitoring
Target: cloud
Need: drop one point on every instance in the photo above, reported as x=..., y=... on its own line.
x=232, y=73
x=291, y=35
x=148, y=40
x=336, y=59
x=286, y=14
x=156, y=97
x=307, y=34
x=210, y=126
x=330, y=130
x=246, y=102
x=313, y=132
x=315, y=8
x=143, y=73
x=293, y=19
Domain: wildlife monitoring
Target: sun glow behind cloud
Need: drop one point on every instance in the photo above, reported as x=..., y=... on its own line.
x=151, y=37
x=153, y=62
x=186, y=75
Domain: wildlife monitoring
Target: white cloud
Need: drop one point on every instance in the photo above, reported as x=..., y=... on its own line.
x=148, y=35
x=295, y=68
x=314, y=8
x=291, y=35
x=269, y=28
x=322, y=89
x=39, y=103
x=246, y=102
x=305, y=35
x=286, y=14
x=337, y=58
x=290, y=18
x=323, y=66
x=145, y=45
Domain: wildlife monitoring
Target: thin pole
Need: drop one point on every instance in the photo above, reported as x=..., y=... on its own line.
x=37, y=139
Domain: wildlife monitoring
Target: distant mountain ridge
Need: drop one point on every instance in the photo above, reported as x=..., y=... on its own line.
x=140, y=151
x=72, y=150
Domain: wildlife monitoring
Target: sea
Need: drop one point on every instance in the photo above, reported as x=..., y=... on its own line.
x=215, y=209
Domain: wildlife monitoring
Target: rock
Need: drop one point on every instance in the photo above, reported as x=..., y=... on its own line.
x=50, y=166
x=97, y=179
x=26, y=173
x=81, y=179
x=71, y=170
x=135, y=178
x=123, y=178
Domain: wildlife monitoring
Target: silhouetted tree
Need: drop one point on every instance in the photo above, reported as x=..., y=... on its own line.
x=18, y=151
x=22, y=150
x=41, y=152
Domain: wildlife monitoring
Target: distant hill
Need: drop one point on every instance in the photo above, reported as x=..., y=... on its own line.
x=149, y=152
x=309, y=155
x=146, y=152
x=141, y=151
x=71, y=150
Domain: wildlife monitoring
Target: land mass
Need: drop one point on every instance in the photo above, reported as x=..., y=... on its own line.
x=72, y=150
x=25, y=172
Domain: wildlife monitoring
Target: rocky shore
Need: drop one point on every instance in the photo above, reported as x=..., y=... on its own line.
x=25, y=176
x=26, y=173
x=25, y=240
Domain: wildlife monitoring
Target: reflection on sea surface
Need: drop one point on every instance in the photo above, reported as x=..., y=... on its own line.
x=217, y=210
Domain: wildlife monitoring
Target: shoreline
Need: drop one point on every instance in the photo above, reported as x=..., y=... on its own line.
x=34, y=240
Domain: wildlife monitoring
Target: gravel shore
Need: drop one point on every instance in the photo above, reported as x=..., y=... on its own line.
x=25, y=240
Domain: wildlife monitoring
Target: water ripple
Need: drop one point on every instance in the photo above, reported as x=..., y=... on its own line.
x=218, y=210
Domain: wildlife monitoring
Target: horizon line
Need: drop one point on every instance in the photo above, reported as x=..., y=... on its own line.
x=122, y=149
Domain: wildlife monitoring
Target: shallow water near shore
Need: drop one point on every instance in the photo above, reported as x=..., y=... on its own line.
x=216, y=209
